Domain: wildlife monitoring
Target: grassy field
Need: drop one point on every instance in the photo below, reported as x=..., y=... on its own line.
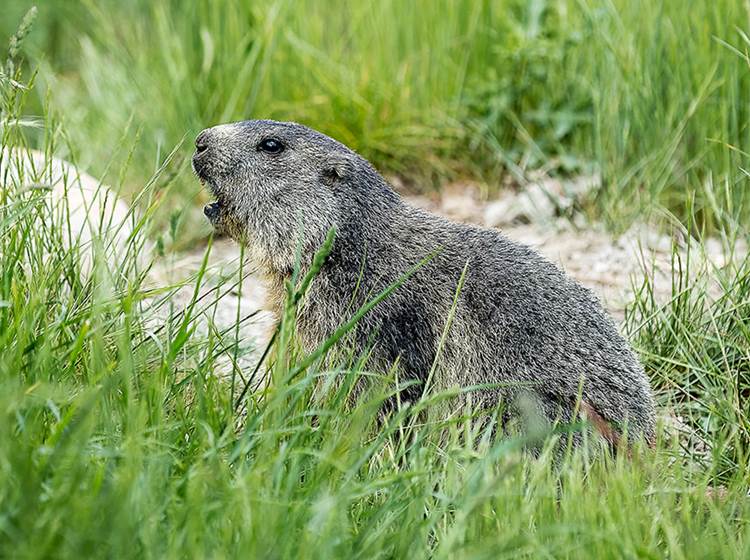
x=119, y=437
x=650, y=95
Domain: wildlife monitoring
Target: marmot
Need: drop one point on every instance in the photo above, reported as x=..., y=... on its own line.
x=519, y=320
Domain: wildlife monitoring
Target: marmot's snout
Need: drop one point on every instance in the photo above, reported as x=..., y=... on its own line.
x=202, y=155
x=205, y=160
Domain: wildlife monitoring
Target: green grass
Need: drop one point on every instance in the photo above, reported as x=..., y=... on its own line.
x=119, y=431
x=650, y=95
x=696, y=349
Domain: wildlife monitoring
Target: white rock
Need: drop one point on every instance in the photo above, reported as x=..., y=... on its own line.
x=82, y=209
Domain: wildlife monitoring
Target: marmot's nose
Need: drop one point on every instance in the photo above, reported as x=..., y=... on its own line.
x=201, y=142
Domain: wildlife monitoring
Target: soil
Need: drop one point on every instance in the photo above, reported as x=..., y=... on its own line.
x=612, y=266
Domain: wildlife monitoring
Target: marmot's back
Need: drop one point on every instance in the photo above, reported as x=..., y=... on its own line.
x=550, y=331
x=520, y=322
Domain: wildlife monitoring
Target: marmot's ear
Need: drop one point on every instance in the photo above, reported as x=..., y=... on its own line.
x=335, y=170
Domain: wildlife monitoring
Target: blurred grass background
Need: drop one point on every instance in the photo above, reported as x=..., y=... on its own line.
x=651, y=95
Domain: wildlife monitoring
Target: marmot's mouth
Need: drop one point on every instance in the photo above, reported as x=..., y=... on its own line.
x=213, y=210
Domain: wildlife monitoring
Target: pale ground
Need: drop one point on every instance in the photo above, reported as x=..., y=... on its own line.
x=610, y=266
x=606, y=264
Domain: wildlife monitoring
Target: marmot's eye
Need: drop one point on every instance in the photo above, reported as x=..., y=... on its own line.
x=271, y=146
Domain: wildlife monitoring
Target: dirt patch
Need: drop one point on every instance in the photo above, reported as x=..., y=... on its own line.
x=611, y=266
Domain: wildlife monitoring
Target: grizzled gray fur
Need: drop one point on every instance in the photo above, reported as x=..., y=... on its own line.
x=519, y=319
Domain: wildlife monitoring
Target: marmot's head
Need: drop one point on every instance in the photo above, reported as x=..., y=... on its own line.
x=278, y=186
